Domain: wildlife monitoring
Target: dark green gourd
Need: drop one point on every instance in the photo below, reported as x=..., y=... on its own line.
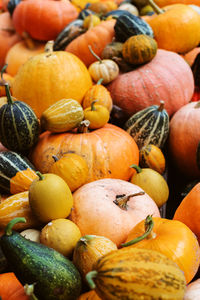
x=55, y=276
x=149, y=126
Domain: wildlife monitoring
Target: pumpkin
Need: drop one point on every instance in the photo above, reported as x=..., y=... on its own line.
x=162, y=3
x=16, y=172
x=166, y=236
x=98, y=37
x=43, y=20
x=100, y=93
x=192, y=290
x=8, y=36
x=136, y=274
x=72, y=168
x=171, y=80
x=103, y=205
x=188, y=210
x=88, y=250
x=55, y=75
x=96, y=147
x=195, y=69
x=191, y=55
x=98, y=115
x=102, y=7
x=50, y=197
x=185, y=22
x=89, y=296
x=152, y=157
x=11, y=288
x=8, y=78
x=112, y=50
x=139, y=49
x=129, y=7
x=184, y=151
x=63, y=115
x=17, y=206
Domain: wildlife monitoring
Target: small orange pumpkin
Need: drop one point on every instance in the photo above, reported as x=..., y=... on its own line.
x=11, y=288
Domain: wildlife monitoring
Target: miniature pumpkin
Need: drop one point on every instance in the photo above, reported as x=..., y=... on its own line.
x=11, y=288
x=98, y=115
x=152, y=157
x=103, y=7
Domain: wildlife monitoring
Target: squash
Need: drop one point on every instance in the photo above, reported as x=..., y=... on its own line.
x=171, y=80
x=11, y=288
x=72, y=168
x=63, y=115
x=139, y=49
x=125, y=274
x=98, y=115
x=90, y=21
x=56, y=75
x=91, y=295
x=112, y=50
x=166, y=236
x=8, y=78
x=152, y=157
x=149, y=126
x=16, y=172
x=17, y=206
x=43, y=20
x=103, y=205
x=162, y=3
x=192, y=290
x=129, y=7
x=191, y=55
x=102, y=7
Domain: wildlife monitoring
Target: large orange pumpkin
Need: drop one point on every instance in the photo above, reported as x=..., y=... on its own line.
x=108, y=151
x=167, y=77
x=55, y=75
x=111, y=208
x=162, y=3
x=11, y=288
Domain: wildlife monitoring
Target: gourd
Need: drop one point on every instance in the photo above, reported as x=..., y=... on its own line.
x=149, y=126
x=16, y=172
x=152, y=157
x=102, y=7
x=98, y=115
x=63, y=115
x=12, y=5
x=90, y=21
x=31, y=234
x=129, y=7
x=124, y=274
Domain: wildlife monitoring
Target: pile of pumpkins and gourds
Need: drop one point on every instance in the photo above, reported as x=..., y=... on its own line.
x=96, y=97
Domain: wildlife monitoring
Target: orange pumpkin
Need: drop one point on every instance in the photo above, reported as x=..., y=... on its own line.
x=108, y=151
x=171, y=238
x=11, y=288
x=9, y=79
x=162, y=3
x=89, y=296
x=191, y=55
x=111, y=208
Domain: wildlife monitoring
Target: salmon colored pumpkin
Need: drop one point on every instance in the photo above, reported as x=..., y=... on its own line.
x=171, y=80
x=97, y=37
x=111, y=208
x=108, y=151
x=171, y=238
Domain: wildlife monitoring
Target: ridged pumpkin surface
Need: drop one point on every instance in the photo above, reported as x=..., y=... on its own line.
x=54, y=76
x=135, y=274
x=167, y=77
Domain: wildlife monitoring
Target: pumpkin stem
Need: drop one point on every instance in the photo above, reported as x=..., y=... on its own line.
x=29, y=290
x=3, y=71
x=137, y=168
x=92, y=105
x=49, y=47
x=28, y=40
x=155, y=7
x=94, y=54
x=89, y=278
x=6, y=84
x=162, y=104
x=149, y=223
x=8, y=229
x=55, y=158
x=197, y=105
x=121, y=200
x=99, y=82
x=41, y=177
x=83, y=126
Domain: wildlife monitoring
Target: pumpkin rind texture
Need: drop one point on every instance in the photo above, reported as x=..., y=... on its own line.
x=155, y=276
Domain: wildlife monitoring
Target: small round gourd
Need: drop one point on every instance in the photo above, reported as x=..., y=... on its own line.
x=152, y=157
x=98, y=115
x=139, y=49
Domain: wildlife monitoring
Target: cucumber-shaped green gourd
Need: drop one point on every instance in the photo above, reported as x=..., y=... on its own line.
x=54, y=276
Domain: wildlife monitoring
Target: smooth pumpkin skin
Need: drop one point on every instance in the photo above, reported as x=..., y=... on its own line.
x=173, y=239
x=95, y=212
x=191, y=55
x=171, y=79
x=22, y=181
x=96, y=147
x=98, y=115
x=11, y=288
x=184, y=137
x=40, y=91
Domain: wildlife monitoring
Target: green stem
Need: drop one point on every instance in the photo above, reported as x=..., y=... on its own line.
x=3, y=70
x=155, y=7
x=148, y=230
x=137, y=168
x=94, y=54
x=41, y=177
x=92, y=105
x=8, y=229
x=99, y=82
x=121, y=200
x=89, y=278
x=8, y=95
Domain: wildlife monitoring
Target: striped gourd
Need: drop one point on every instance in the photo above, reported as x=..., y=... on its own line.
x=149, y=126
x=63, y=115
x=16, y=173
x=19, y=126
x=134, y=274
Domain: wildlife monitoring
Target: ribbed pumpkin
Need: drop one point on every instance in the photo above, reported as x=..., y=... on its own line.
x=149, y=126
x=55, y=75
x=43, y=20
x=166, y=236
x=139, y=49
x=137, y=274
x=96, y=147
x=63, y=115
x=171, y=80
x=16, y=173
x=152, y=157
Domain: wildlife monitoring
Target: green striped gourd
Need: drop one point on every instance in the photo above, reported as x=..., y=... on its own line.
x=149, y=126
x=16, y=173
x=134, y=274
x=19, y=126
x=63, y=115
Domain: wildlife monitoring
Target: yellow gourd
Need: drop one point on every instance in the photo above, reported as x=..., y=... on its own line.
x=97, y=115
